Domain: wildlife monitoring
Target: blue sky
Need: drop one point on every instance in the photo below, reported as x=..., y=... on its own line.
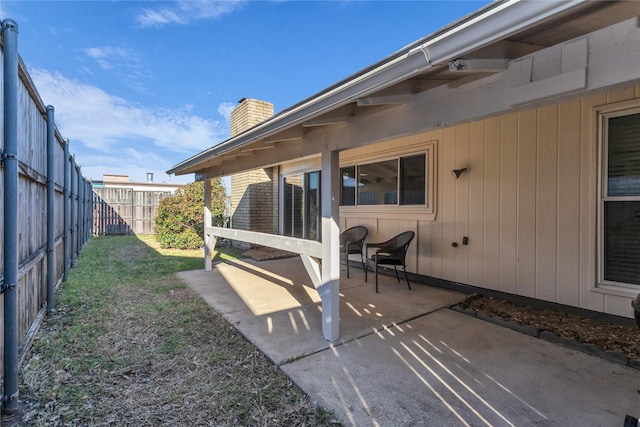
x=139, y=86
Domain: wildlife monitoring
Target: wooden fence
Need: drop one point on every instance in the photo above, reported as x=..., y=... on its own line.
x=53, y=211
x=125, y=210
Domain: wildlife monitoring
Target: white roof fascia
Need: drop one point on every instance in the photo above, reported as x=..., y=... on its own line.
x=493, y=25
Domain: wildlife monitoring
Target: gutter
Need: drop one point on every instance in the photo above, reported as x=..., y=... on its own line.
x=490, y=24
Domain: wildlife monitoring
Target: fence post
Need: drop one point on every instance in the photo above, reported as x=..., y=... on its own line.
x=83, y=236
x=10, y=157
x=85, y=212
x=80, y=211
x=87, y=234
x=65, y=234
x=74, y=214
x=51, y=165
x=80, y=195
x=90, y=188
x=91, y=205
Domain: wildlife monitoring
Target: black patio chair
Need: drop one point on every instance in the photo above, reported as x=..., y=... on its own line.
x=392, y=252
x=352, y=241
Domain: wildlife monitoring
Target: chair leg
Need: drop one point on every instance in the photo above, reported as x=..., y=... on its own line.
x=362, y=261
x=376, y=275
x=397, y=277
x=406, y=277
x=347, y=265
x=366, y=270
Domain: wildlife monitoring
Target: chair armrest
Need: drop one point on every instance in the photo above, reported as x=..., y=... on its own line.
x=379, y=246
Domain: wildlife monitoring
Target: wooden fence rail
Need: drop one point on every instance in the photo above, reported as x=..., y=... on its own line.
x=53, y=211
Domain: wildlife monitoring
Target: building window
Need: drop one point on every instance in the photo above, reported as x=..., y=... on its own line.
x=348, y=188
x=619, y=237
x=412, y=180
x=378, y=183
x=301, y=206
x=397, y=181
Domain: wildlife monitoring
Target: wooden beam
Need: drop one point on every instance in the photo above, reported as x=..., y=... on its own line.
x=478, y=65
x=258, y=147
x=312, y=265
x=293, y=134
x=291, y=244
x=326, y=121
x=370, y=101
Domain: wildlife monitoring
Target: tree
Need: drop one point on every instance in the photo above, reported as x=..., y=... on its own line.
x=180, y=218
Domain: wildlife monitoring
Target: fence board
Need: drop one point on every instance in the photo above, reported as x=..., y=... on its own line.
x=32, y=209
x=125, y=210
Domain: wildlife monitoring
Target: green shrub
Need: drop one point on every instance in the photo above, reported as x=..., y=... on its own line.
x=180, y=218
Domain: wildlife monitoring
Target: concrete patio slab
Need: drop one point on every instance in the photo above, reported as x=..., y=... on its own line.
x=274, y=305
x=405, y=359
x=450, y=369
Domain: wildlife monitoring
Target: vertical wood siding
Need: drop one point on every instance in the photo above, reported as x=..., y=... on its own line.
x=528, y=204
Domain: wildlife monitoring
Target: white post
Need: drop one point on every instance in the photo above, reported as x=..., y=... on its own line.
x=209, y=240
x=330, y=288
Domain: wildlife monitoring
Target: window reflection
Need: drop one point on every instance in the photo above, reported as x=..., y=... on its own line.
x=378, y=183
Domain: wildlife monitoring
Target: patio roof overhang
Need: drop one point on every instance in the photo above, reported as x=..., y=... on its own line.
x=478, y=45
x=454, y=74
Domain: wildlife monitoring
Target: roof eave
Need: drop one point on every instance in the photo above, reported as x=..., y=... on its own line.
x=489, y=25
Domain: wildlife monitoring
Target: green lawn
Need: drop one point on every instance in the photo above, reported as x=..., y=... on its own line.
x=130, y=344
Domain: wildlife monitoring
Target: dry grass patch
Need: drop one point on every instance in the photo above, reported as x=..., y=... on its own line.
x=131, y=345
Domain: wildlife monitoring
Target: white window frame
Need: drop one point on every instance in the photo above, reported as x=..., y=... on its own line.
x=603, y=115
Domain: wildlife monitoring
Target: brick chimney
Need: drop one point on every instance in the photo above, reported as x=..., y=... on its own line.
x=254, y=194
x=249, y=113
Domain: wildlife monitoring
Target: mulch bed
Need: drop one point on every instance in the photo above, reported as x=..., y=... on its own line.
x=616, y=341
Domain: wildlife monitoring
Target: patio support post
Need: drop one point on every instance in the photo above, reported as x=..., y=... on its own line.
x=330, y=288
x=209, y=239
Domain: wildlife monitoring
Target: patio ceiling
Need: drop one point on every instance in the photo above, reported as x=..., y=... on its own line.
x=476, y=46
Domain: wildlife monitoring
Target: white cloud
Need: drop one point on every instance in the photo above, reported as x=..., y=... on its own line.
x=89, y=114
x=126, y=64
x=225, y=109
x=186, y=11
x=115, y=133
x=130, y=162
x=110, y=56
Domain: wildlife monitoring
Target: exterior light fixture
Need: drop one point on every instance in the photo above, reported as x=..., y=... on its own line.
x=457, y=172
x=457, y=65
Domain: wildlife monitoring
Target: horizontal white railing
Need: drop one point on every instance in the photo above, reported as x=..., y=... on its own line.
x=292, y=244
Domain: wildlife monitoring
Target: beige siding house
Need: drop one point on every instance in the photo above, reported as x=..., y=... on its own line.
x=534, y=105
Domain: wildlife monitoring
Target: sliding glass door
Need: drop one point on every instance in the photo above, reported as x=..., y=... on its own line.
x=301, y=216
